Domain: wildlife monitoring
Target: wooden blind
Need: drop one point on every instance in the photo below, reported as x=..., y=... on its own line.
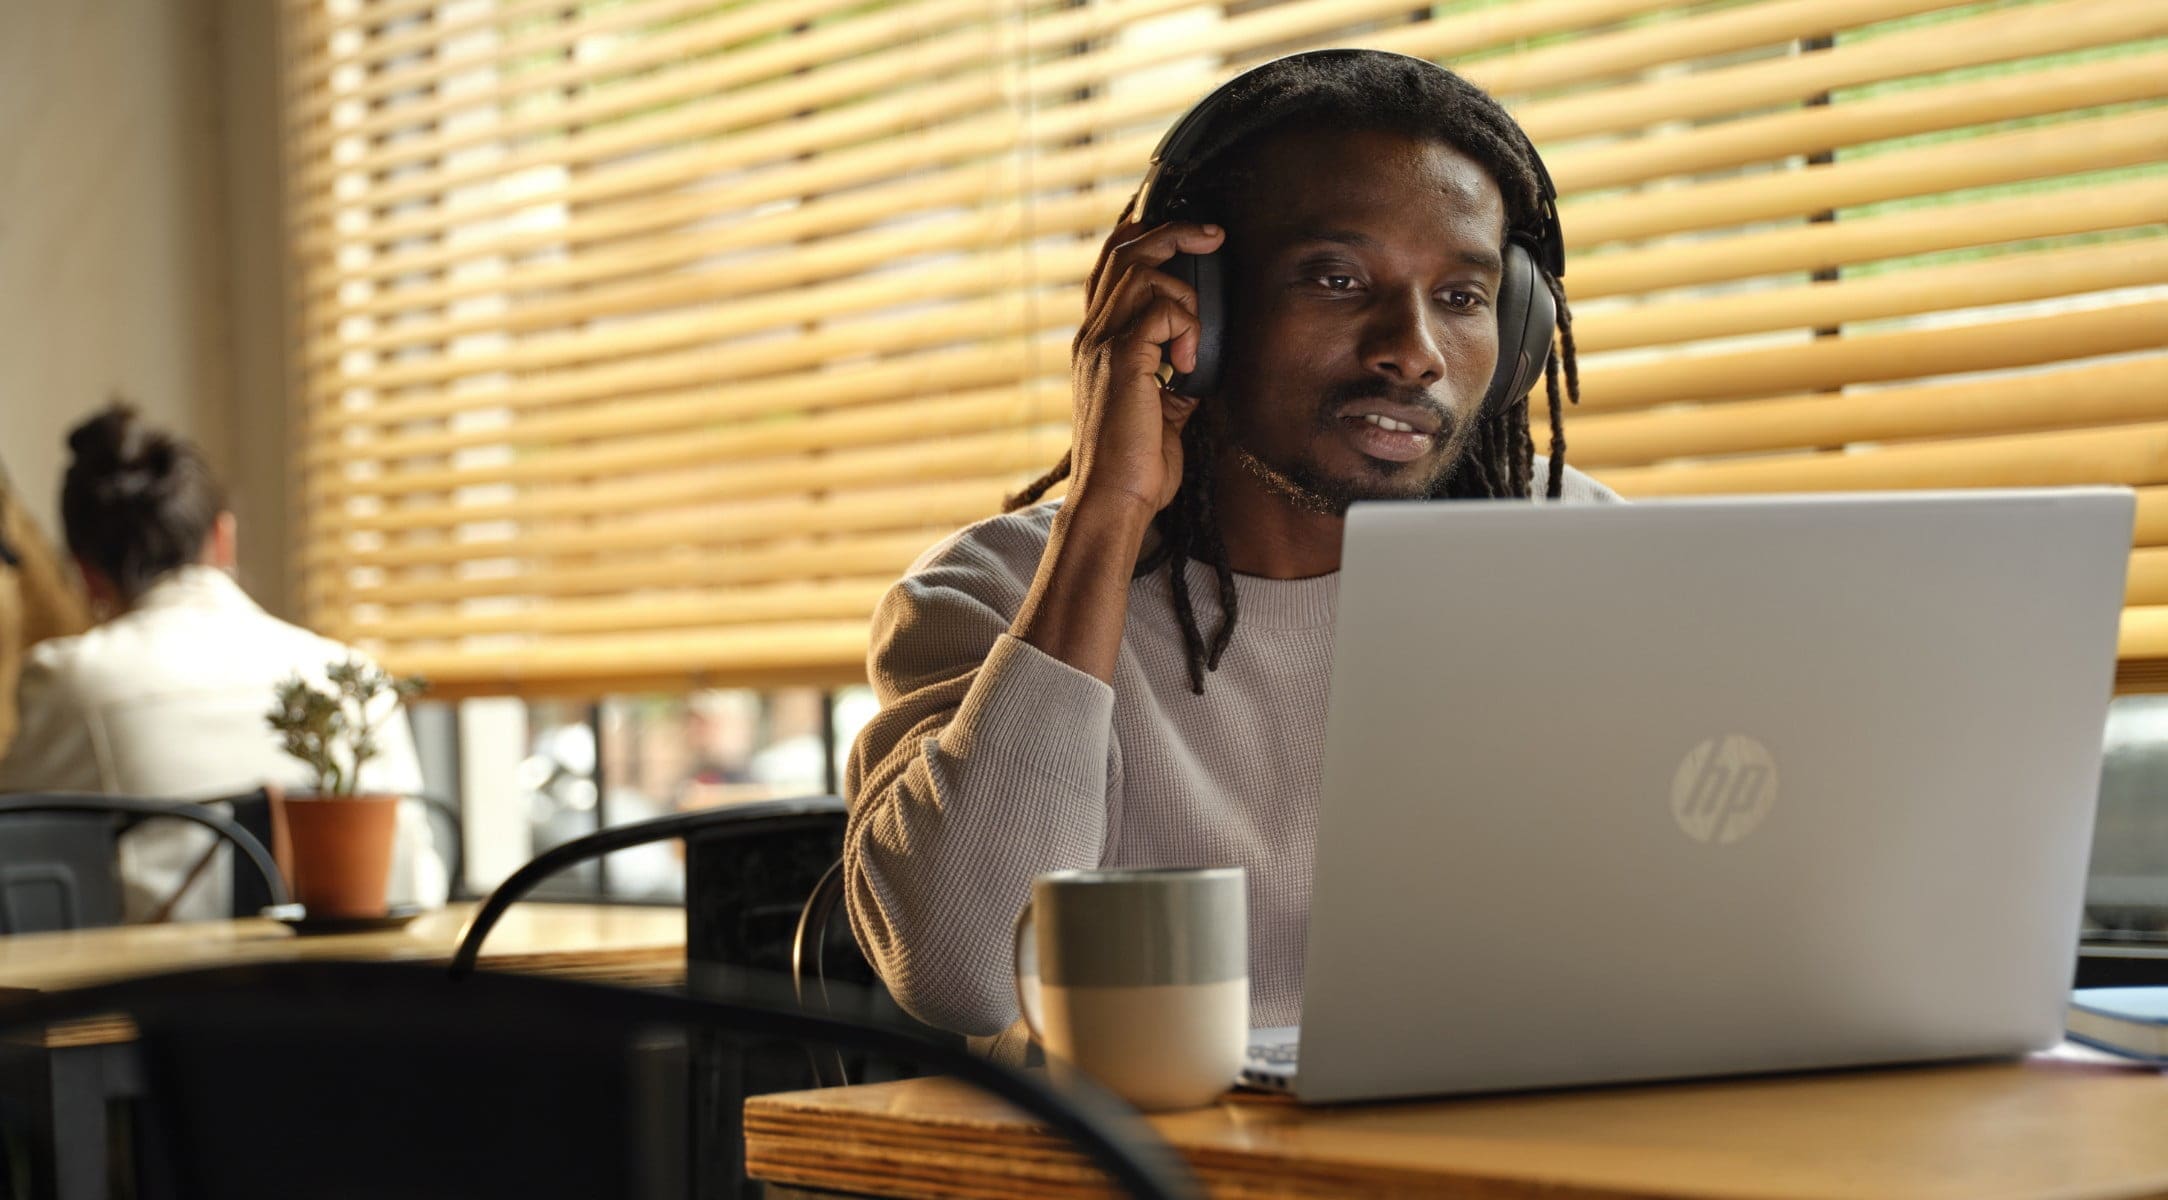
x=644, y=343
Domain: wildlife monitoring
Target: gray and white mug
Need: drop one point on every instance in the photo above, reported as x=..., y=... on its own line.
x=1139, y=978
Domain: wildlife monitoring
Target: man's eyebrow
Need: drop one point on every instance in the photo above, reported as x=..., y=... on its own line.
x=1337, y=237
x=1484, y=259
x=1481, y=258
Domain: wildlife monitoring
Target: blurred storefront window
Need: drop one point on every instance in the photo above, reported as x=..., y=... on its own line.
x=629, y=758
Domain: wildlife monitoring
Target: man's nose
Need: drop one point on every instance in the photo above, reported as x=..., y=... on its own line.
x=1402, y=342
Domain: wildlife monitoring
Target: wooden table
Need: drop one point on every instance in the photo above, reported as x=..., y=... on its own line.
x=2044, y=1127
x=640, y=947
x=66, y=1076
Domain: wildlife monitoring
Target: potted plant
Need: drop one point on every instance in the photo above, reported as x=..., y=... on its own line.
x=334, y=843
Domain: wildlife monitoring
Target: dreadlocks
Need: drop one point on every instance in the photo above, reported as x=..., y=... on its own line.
x=1367, y=92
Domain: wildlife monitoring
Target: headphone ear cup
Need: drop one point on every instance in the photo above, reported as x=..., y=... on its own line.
x=1527, y=321
x=1206, y=274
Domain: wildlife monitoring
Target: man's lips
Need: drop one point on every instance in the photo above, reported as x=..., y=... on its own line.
x=1388, y=429
x=1394, y=415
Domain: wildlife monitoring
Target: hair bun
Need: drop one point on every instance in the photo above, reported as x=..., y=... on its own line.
x=100, y=444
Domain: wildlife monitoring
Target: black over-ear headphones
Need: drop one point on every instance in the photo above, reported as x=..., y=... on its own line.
x=1527, y=314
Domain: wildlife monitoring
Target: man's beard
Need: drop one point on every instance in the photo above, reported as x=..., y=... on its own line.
x=1304, y=483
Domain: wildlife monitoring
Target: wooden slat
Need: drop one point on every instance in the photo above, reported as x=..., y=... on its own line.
x=1926, y=110
x=1008, y=317
x=1804, y=248
x=912, y=421
x=2129, y=140
x=839, y=558
x=2152, y=525
x=1681, y=38
x=997, y=274
x=2073, y=24
x=1839, y=185
x=851, y=599
x=1755, y=25
x=938, y=505
x=701, y=390
x=981, y=185
x=983, y=135
x=990, y=455
x=1777, y=136
x=713, y=658
x=1911, y=354
x=2126, y=140
x=842, y=669
x=609, y=86
x=2147, y=582
x=2145, y=634
x=2109, y=393
x=696, y=408
x=380, y=83
x=1991, y=37
x=837, y=214
x=768, y=122
x=687, y=433
x=2092, y=208
x=546, y=298
x=2130, y=454
x=2004, y=279
x=937, y=94
x=2011, y=278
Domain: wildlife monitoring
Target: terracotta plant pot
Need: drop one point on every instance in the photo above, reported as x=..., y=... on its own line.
x=335, y=851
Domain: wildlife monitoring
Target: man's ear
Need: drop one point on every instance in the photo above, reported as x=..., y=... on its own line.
x=221, y=547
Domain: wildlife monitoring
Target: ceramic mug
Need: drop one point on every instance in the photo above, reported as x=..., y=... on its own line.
x=1139, y=978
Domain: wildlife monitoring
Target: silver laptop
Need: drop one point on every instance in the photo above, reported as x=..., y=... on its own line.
x=1699, y=788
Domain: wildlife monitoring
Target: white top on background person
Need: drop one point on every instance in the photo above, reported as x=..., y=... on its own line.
x=166, y=700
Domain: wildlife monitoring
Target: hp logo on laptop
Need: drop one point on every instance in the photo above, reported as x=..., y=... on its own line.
x=1724, y=788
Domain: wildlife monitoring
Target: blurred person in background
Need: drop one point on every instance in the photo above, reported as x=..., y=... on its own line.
x=38, y=599
x=166, y=697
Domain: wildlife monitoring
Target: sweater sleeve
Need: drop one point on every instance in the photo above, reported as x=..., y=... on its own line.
x=989, y=763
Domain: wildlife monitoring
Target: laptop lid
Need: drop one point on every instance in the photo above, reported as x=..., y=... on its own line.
x=1705, y=787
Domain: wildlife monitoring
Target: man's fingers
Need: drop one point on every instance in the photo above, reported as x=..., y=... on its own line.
x=1155, y=246
x=1161, y=322
x=1176, y=409
x=1150, y=248
x=1137, y=290
x=1121, y=233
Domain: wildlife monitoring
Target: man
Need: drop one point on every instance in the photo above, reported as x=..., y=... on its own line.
x=1054, y=695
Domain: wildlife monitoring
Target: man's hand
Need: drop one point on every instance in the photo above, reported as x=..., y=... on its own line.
x=1128, y=434
x=1126, y=462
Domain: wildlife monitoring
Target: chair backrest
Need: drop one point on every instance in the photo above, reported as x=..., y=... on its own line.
x=750, y=871
x=58, y=871
x=379, y=1079
x=831, y=976
x=63, y=873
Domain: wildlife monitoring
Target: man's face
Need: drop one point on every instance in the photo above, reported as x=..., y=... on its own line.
x=1364, y=270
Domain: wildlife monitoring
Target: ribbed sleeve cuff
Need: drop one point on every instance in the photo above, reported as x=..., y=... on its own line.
x=1038, y=712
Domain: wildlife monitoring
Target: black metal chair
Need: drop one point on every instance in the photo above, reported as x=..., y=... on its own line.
x=388, y=1079
x=59, y=866
x=747, y=863
x=750, y=870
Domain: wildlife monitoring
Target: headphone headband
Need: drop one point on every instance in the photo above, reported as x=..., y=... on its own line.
x=1186, y=138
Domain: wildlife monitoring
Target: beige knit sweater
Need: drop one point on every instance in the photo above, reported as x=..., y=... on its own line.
x=991, y=762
